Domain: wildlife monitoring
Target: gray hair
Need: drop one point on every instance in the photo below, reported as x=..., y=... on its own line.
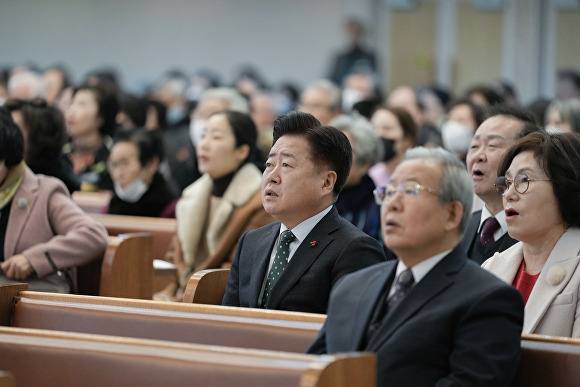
x=455, y=183
x=33, y=82
x=231, y=97
x=367, y=145
x=569, y=110
x=331, y=89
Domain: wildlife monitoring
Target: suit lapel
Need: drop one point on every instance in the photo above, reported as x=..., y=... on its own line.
x=20, y=211
x=565, y=255
x=437, y=280
x=261, y=251
x=470, y=231
x=305, y=256
x=371, y=291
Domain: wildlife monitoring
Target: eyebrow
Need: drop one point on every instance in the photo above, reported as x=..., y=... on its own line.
x=522, y=170
x=283, y=154
x=490, y=137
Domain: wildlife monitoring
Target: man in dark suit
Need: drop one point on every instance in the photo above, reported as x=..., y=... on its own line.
x=293, y=264
x=486, y=232
x=433, y=317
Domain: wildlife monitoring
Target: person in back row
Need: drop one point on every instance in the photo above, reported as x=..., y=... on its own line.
x=433, y=317
x=294, y=263
x=486, y=232
x=218, y=207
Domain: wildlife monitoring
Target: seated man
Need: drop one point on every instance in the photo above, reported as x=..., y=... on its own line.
x=293, y=264
x=433, y=317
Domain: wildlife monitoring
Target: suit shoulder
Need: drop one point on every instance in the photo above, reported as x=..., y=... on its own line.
x=264, y=230
x=473, y=273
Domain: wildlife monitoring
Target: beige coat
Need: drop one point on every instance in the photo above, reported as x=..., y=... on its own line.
x=553, y=307
x=193, y=221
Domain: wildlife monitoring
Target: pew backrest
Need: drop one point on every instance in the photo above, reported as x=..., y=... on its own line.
x=206, y=287
x=41, y=358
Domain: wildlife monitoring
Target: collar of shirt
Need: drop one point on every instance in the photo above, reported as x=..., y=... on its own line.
x=420, y=270
x=302, y=230
x=500, y=216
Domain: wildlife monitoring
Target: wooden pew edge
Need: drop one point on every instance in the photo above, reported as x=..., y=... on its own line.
x=206, y=287
x=7, y=295
x=179, y=307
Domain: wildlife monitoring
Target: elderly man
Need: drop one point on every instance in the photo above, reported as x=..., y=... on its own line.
x=322, y=100
x=294, y=263
x=433, y=317
x=486, y=232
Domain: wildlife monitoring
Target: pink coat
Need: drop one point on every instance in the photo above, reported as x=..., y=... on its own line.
x=44, y=218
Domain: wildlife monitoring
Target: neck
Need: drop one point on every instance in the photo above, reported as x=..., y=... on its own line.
x=536, y=253
x=413, y=257
x=494, y=206
x=88, y=143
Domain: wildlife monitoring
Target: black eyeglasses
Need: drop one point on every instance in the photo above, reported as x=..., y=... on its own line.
x=410, y=189
x=521, y=183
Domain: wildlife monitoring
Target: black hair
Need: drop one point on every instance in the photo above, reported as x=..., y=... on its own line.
x=149, y=144
x=524, y=116
x=108, y=106
x=134, y=107
x=11, y=140
x=244, y=131
x=328, y=145
x=477, y=112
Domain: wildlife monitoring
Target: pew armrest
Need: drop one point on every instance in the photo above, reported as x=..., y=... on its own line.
x=206, y=287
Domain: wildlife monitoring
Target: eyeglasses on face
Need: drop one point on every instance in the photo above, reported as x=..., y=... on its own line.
x=387, y=192
x=521, y=183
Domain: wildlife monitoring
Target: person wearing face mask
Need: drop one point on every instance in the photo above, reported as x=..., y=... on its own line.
x=398, y=133
x=221, y=205
x=42, y=230
x=140, y=189
x=463, y=117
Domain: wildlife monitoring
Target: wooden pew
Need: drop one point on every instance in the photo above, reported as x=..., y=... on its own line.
x=548, y=361
x=206, y=287
x=40, y=311
x=126, y=269
x=162, y=230
x=6, y=379
x=47, y=358
x=92, y=202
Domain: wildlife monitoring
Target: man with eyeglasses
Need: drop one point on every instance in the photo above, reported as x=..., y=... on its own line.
x=486, y=232
x=433, y=317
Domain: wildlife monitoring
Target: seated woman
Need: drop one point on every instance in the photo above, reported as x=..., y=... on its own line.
x=222, y=204
x=42, y=230
x=140, y=190
x=90, y=120
x=398, y=133
x=539, y=181
x=44, y=136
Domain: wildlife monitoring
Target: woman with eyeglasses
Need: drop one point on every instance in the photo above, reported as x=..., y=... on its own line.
x=539, y=180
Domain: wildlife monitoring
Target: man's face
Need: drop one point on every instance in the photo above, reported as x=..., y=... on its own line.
x=415, y=225
x=317, y=102
x=489, y=143
x=293, y=187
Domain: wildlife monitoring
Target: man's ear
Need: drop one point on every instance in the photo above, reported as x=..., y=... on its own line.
x=329, y=181
x=454, y=215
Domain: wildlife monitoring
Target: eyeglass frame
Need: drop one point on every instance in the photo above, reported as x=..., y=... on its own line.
x=402, y=188
x=516, y=185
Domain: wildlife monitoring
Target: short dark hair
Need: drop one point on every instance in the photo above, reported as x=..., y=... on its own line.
x=149, y=144
x=244, y=130
x=328, y=145
x=11, y=140
x=488, y=93
x=46, y=131
x=134, y=107
x=523, y=115
x=558, y=154
x=410, y=128
x=108, y=104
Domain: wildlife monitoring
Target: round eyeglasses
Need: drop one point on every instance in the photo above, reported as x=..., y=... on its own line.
x=521, y=183
x=409, y=189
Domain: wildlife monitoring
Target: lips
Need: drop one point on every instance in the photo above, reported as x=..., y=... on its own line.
x=510, y=213
x=391, y=224
x=270, y=193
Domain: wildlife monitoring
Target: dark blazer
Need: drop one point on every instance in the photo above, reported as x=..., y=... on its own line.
x=474, y=249
x=340, y=248
x=458, y=326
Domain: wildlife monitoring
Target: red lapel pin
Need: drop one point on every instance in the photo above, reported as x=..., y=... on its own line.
x=313, y=243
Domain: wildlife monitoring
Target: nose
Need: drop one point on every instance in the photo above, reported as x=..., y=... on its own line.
x=510, y=194
x=272, y=175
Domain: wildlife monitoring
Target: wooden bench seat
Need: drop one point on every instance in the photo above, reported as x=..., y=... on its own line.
x=206, y=287
x=130, y=321
x=46, y=358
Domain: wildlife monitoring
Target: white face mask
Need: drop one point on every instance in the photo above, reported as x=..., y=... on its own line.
x=133, y=192
x=196, y=128
x=456, y=137
x=350, y=97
